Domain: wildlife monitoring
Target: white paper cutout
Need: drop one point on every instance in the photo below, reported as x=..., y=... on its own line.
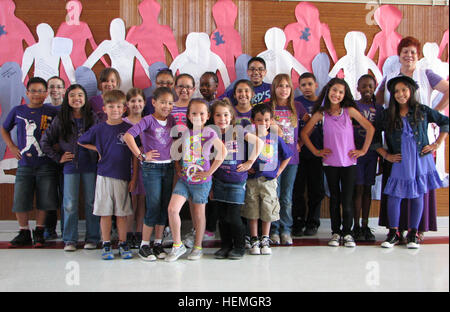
x=154, y=69
x=62, y=46
x=321, y=68
x=198, y=59
x=46, y=64
x=278, y=60
x=241, y=70
x=355, y=63
x=121, y=53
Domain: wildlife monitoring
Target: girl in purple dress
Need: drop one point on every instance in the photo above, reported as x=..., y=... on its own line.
x=413, y=173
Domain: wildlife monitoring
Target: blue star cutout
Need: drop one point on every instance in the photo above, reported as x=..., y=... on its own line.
x=2, y=30
x=305, y=34
x=218, y=38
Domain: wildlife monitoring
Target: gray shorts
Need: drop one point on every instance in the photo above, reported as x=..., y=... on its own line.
x=112, y=197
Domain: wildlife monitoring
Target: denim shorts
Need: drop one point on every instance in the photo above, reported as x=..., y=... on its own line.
x=199, y=193
x=233, y=193
x=42, y=181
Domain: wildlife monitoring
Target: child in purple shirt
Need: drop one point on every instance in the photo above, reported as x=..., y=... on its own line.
x=113, y=172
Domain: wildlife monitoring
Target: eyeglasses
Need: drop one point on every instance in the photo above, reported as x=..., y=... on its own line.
x=56, y=87
x=184, y=87
x=165, y=83
x=37, y=91
x=259, y=69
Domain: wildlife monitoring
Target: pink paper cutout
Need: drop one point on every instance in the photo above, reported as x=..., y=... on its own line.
x=12, y=33
x=388, y=17
x=444, y=42
x=225, y=40
x=79, y=32
x=150, y=38
x=306, y=33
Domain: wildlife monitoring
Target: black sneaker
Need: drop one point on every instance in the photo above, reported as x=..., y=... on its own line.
x=412, y=240
x=23, y=239
x=311, y=230
x=366, y=232
x=222, y=253
x=236, y=253
x=392, y=239
x=357, y=234
x=130, y=239
x=146, y=253
x=38, y=237
x=137, y=240
x=159, y=251
x=298, y=229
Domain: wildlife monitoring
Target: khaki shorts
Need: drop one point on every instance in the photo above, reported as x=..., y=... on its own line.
x=261, y=200
x=112, y=197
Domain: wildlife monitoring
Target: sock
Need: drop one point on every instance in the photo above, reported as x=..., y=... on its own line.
x=197, y=247
x=24, y=227
x=158, y=241
x=177, y=245
x=106, y=243
x=145, y=243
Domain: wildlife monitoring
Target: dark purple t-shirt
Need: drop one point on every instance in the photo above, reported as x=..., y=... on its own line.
x=31, y=124
x=97, y=107
x=237, y=154
x=370, y=111
x=115, y=155
x=316, y=135
x=243, y=119
x=262, y=94
x=273, y=153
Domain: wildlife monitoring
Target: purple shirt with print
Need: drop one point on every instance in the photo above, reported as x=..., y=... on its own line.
x=282, y=115
x=115, y=155
x=196, y=154
x=31, y=124
x=154, y=136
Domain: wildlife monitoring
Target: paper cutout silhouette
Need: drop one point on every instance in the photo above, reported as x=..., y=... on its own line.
x=153, y=70
x=46, y=63
x=79, y=32
x=86, y=77
x=150, y=38
x=241, y=70
x=321, y=68
x=198, y=58
x=225, y=40
x=388, y=17
x=121, y=52
x=12, y=91
x=278, y=60
x=444, y=42
x=13, y=32
x=355, y=63
x=306, y=33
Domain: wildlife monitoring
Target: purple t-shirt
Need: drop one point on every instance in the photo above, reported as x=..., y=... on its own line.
x=262, y=94
x=97, y=107
x=115, y=155
x=316, y=135
x=370, y=111
x=31, y=124
x=196, y=153
x=243, y=119
x=282, y=116
x=154, y=136
x=273, y=153
x=85, y=162
x=237, y=154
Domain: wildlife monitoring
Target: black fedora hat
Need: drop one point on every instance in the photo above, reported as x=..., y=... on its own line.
x=401, y=78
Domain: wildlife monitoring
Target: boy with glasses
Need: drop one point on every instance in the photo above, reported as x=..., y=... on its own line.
x=36, y=173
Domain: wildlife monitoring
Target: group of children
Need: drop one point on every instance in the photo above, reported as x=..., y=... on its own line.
x=243, y=151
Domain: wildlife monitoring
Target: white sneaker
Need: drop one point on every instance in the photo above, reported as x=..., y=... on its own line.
x=167, y=239
x=90, y=246
x=189, y=239
x=335, y=240
x=265, y=246
x=349, y=241
x=70, y=247
x=175, y=253
x=248, y=245
x=275, y=238
x=195, y=254
x=286, y=239
x=254, y=249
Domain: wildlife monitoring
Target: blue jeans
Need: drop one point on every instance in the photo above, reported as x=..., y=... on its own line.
x=41, y=181
x=158, y=180
x=70, y=204
x=285, y=187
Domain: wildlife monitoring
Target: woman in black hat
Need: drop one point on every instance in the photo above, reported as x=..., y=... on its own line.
x=413, y=174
